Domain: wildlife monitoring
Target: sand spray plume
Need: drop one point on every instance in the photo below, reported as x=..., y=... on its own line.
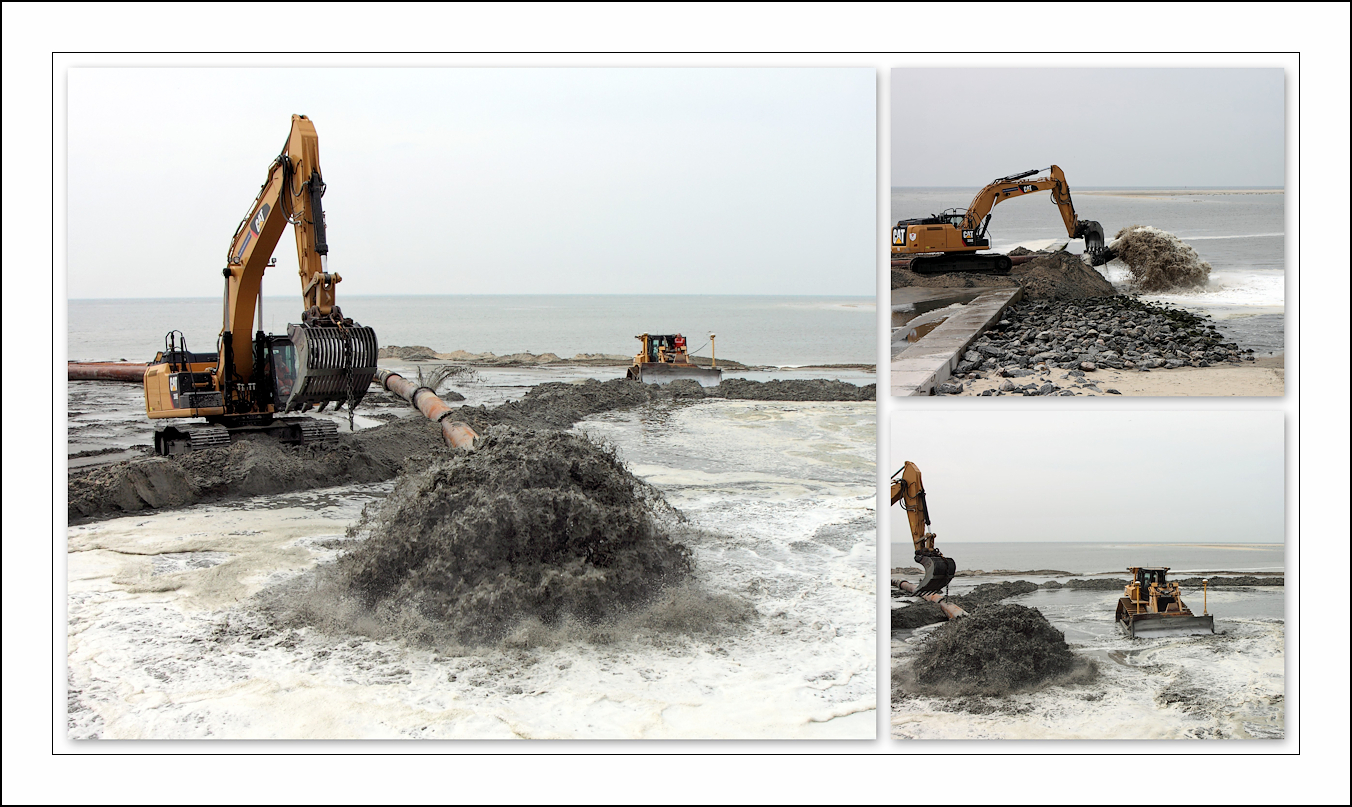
x=1158, y=260
x=546, y=526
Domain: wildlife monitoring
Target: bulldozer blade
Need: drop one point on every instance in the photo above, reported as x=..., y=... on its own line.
x=938, y=572
x=1151, y=625
x=657, y=373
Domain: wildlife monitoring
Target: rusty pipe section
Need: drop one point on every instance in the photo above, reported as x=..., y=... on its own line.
x=105, y=371
x=456, y=433
x=950, y=610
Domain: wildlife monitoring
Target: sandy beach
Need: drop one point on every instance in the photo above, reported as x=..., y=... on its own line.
x=1262, y=377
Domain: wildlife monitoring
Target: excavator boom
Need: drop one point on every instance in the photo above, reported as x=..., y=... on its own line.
x=908, y=490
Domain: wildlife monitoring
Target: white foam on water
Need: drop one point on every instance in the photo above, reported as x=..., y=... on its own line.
x=1225, y=237
x=1265, y=291
x=174, y=655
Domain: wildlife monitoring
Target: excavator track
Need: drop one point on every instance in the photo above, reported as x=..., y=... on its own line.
x=185, y=437
x=961, y=262
x=313, y=431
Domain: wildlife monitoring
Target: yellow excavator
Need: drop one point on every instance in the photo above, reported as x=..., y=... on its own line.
x=908, y=490
x=254, y=379
x=951, y=241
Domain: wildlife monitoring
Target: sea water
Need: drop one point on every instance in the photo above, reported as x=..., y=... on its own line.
x=757, y=330
x=1093, y=558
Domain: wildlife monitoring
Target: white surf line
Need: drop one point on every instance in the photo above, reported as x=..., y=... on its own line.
x=1222, y=237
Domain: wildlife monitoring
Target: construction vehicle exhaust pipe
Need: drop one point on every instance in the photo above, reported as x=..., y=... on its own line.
x=457, y=434
x=950, y=610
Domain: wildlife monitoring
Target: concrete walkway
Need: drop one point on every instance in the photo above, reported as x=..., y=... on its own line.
x=926, y=364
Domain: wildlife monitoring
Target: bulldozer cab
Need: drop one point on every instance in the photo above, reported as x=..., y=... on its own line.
x=662, y=347
x=1145, y=575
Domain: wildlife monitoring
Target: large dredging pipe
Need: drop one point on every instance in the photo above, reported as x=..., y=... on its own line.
x=456, y=433
x=105, y=371
x=950, y=610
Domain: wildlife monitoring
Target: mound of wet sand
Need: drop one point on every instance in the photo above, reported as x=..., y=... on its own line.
x=986, y=594
x=1097, y=584
x=1242, y=581
x=259, y=466
x=530, y=524
x=1159, y=260
x=996, y=651
x=1052, y=276
x=1061, y=276
x=903, y=278
x=250, y=467
x=803, y=390
x=916, y=615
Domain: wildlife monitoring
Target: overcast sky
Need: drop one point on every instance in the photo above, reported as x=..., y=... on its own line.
x=1154, y=127
x=460, y=180
x=1139, y=477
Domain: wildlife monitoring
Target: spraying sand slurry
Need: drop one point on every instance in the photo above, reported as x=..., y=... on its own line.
x=254, y=467
x=1158, y=260
x=531, y=524
x=997, y=650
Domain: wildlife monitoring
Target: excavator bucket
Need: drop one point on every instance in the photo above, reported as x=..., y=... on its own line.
x=938, y=572
x=323, y=364
x=665, y=373
x=1094, y=244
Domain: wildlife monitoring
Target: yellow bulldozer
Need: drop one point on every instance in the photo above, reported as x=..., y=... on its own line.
x=1153, y=605
x=664, y=358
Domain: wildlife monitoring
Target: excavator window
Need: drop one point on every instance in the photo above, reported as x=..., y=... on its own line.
x=283, y=368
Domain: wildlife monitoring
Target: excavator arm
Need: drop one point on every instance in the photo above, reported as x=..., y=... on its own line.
x=292, y=195
x=979, y=211
x=908, y=490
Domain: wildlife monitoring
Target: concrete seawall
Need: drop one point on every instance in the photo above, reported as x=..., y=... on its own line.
x=923, y=366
